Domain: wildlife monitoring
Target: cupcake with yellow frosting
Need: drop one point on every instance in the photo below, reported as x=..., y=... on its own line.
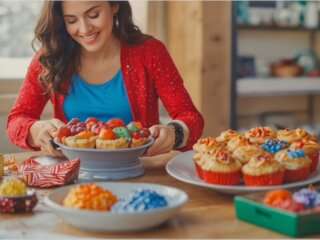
x=221, y=168
x=245, y=153
x=237, y=142
x=263, y=170
x=311, y=148
x=227, y=135
x=297, y=164
x=293, y=135
x=260, y=134
x=207, y=145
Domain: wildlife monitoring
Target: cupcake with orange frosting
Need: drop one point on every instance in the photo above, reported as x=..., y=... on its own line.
x=245, y=153
x=293, y=135
x=227, y=135
x=297, y=164
x=260, y=134
x=221, y=168
x=311, y=148
x=263, y=170
x=237, y=142
x=207, y=145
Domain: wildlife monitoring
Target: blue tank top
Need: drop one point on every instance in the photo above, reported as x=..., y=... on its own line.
x=103, y=101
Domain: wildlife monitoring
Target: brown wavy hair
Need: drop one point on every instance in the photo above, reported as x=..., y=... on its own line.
x=59, y=54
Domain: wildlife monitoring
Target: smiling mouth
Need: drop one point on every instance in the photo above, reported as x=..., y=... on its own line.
x=91, y=37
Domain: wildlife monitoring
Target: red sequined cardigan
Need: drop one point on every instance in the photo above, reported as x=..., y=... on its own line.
x=148, y=72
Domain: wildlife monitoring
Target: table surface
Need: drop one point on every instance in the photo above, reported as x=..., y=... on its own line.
x=207, y=214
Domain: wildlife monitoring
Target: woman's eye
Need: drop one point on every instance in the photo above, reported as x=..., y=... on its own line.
x=92, y=16
x=71, y=21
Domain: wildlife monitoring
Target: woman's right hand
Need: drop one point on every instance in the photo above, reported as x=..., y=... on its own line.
x=41, y=132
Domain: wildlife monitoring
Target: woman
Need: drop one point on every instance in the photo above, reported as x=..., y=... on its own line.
x=94, y=62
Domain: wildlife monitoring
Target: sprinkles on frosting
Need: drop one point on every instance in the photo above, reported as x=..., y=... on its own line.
x=274, y=145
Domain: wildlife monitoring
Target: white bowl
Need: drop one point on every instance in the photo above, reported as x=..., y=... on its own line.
x=107, y=164
x=102, y=221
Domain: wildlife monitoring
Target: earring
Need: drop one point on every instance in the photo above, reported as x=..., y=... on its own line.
x=116, y=21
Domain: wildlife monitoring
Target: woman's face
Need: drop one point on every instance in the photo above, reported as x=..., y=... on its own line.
x=89, y=22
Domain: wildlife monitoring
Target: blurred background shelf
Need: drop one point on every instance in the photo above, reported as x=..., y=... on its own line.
x=274, y=28
x=272, y=86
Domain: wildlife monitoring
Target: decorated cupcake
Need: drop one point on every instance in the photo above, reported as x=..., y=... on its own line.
x=311, y=148
x=245, y=153
x=237, y=142
x=274, y=145
x=84, y=139
x=227, y=135
x=260, y=134
x=198, y=162
x=220, y=168
x=292, y=135
x=297, y=164
x=207, y=145
x=262, y=170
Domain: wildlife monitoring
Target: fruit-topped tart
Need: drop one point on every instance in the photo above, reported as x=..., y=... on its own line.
x=139, y=134
x=93, y=133
x=260, y=134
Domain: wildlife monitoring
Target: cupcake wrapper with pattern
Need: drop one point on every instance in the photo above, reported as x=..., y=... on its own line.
x=232, y=178
x=296, y=175
x=264, y=180
x=199, y=170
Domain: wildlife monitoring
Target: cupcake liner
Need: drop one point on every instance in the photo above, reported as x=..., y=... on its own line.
x=199, y=170
x=296, y=175
x=314, y=156
x=264, y=179
x=232, y=178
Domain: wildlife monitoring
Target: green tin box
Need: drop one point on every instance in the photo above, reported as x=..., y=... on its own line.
x=250, y=208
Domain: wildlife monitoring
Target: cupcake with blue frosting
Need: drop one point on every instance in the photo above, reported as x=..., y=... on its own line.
x=273, y=145
x=297, y=164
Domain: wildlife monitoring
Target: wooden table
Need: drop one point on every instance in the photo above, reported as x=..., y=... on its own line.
x=207, y=214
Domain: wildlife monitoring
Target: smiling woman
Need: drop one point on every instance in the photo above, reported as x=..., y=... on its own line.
x=93, y=61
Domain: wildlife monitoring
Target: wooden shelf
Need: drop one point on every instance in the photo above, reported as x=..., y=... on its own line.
x=254, y=87
x=274, y=28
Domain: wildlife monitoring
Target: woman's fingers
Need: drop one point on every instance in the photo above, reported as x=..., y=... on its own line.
x=164, y=140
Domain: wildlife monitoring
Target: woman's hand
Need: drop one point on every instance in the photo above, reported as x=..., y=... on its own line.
x=164, y=138
x=41, y=132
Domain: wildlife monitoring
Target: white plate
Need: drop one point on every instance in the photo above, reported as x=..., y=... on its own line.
x=102, y=221
x=182, y=168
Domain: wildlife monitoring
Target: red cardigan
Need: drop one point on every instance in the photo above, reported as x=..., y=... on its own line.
x=149, y=74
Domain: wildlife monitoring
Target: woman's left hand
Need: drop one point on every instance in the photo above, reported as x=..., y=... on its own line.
x=164, y=138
